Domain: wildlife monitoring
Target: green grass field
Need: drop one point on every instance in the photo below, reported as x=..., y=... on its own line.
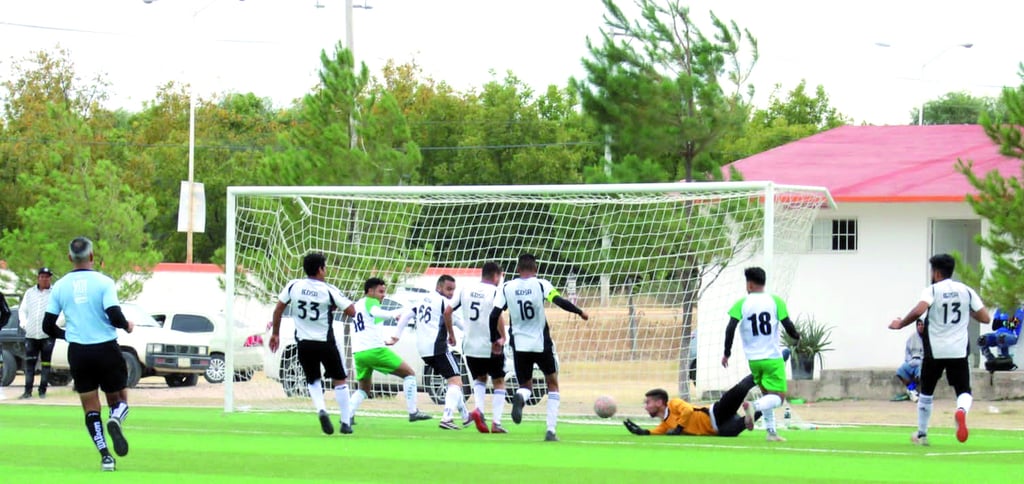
x=41, y=443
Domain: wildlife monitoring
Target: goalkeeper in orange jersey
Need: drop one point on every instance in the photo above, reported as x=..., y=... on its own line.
x=679, y=417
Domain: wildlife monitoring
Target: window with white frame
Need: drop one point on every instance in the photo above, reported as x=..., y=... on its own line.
x=834, y=235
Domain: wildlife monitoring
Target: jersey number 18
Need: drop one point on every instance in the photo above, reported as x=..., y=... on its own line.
x=761, y=321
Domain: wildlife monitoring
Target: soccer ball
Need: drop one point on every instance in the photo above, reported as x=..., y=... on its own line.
x=604, y=406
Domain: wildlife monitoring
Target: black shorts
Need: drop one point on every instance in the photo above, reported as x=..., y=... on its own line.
x=97, y=366
x=314, y=353
x=444, y=364
x=493, y=366
x=547, y=361
x=958, y=374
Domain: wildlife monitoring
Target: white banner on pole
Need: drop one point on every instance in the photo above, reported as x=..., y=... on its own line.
x=197, y=208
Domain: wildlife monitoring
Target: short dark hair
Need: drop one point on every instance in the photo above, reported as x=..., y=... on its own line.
x=755, y=275
x=313, y=262
x=490, y=269
x=944, y=263
x=372, y=283
x=443, y=279
x=658, y=393
x=527, y=262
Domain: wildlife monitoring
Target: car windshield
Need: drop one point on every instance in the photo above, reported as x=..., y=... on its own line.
x=138, y=316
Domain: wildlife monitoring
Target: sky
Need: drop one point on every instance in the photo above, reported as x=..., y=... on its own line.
x=271, y=47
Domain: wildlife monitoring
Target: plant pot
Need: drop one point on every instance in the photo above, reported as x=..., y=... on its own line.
x=802, y=366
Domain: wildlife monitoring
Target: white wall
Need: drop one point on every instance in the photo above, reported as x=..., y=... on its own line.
x=861, y=292
x=196, y=291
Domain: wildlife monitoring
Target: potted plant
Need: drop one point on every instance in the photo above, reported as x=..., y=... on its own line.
x=815, y=339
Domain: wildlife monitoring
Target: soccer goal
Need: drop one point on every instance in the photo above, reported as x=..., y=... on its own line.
x=655, y=265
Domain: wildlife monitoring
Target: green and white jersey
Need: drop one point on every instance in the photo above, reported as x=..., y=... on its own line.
x=759, y=315
x=367, y=324
x=524, y=298
x=949, y=311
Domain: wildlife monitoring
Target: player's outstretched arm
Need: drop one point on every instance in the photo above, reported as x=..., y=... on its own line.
x=634, y=428
x=911, y=317
x=567, y=305
x=790, y=328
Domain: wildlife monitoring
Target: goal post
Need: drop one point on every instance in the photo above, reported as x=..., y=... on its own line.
x=655, y=265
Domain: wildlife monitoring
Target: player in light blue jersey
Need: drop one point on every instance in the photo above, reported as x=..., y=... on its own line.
x=92, y=315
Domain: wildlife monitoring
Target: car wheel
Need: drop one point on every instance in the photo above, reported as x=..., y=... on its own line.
x=243, y=375
x=293, y=379
x=134, y=369
x=59, y=379
x=215, y=372
x=10, y=368
x=182, y=380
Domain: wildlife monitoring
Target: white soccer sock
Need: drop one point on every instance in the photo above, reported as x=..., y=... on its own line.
x=451, y=399
x=357, y=398
x=461, y=405
x=409, y=385
x=769, y=420
x=499, y=406
x=964, y=401
x=342, y=397
x=924, y=413
x=767, y=402
x=316, y=392
x=554, y=400
x=479, y=393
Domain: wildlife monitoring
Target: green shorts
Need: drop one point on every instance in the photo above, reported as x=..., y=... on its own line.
x=770, y=374
x=381, y=359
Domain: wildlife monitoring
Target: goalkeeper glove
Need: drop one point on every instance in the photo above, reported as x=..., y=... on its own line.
x=676, y=431
x=634, y=428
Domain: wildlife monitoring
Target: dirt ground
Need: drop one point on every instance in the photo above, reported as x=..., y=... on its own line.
x=262, y=393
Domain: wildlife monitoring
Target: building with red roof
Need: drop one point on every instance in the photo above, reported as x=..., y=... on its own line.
x=900, y=200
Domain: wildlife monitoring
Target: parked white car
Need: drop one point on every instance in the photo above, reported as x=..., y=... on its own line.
x=150, y=350
x=284, y=366
x=213, y=328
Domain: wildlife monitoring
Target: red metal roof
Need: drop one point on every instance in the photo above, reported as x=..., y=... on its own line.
x=883, y=163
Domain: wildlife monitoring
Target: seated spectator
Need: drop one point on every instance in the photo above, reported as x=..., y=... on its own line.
x=1006, y=333
x=909, y=372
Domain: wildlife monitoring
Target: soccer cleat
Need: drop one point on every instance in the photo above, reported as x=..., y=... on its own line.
x=913, y=395
x=748, y=415
x=517, y=408
x=496, y=428
x=550, y=437
x=107, y=464
x=960, y=417
x=25, y=396
x=774, y=437
x=117, y=436
x=478, y=418
x=448, y=425
x=42, y=395
x=325, y=423
x=345, y=428
x=919, y=439
x=418, y=415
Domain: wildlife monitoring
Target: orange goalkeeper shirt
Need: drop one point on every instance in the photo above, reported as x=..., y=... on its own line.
x=694, y=420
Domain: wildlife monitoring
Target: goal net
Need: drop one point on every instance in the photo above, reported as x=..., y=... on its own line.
x=656, y=266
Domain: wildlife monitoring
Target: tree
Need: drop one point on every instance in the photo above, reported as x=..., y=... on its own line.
x=1000, y=200
x=86, y=199
x=666, y=93
x=796, y=116
x=956, y=108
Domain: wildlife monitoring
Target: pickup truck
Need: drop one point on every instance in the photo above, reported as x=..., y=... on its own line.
x=247, y=342
x=12, y=352
x=150, y=350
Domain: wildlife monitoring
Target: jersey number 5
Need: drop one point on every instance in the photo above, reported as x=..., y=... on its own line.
x=761, y=321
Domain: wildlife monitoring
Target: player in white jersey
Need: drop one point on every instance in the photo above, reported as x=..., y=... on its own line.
x=531, y=341
x=434, y=334
x=313, y=302
x=758, y=315
x=484, y=356
x=370, y=353
x=948, y=307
